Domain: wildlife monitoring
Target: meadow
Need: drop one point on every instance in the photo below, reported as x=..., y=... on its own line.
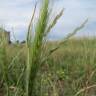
x=40, y=67
x=68, y=71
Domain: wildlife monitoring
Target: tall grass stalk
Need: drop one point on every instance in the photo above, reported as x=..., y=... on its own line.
x=34, y=50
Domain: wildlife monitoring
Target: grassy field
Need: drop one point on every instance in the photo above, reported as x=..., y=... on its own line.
x=69, y=70
x=42, y=68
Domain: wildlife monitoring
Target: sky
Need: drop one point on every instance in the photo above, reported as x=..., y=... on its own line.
x=15, y=16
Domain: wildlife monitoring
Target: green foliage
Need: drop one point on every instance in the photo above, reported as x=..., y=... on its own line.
x=64, y=73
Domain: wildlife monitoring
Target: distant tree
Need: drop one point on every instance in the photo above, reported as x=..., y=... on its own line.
x=17, y=42
x=23, y=42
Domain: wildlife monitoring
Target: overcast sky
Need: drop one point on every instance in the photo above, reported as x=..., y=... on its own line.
x=15, y=16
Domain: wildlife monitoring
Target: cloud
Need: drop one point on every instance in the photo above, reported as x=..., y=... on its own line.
x=17, y=14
